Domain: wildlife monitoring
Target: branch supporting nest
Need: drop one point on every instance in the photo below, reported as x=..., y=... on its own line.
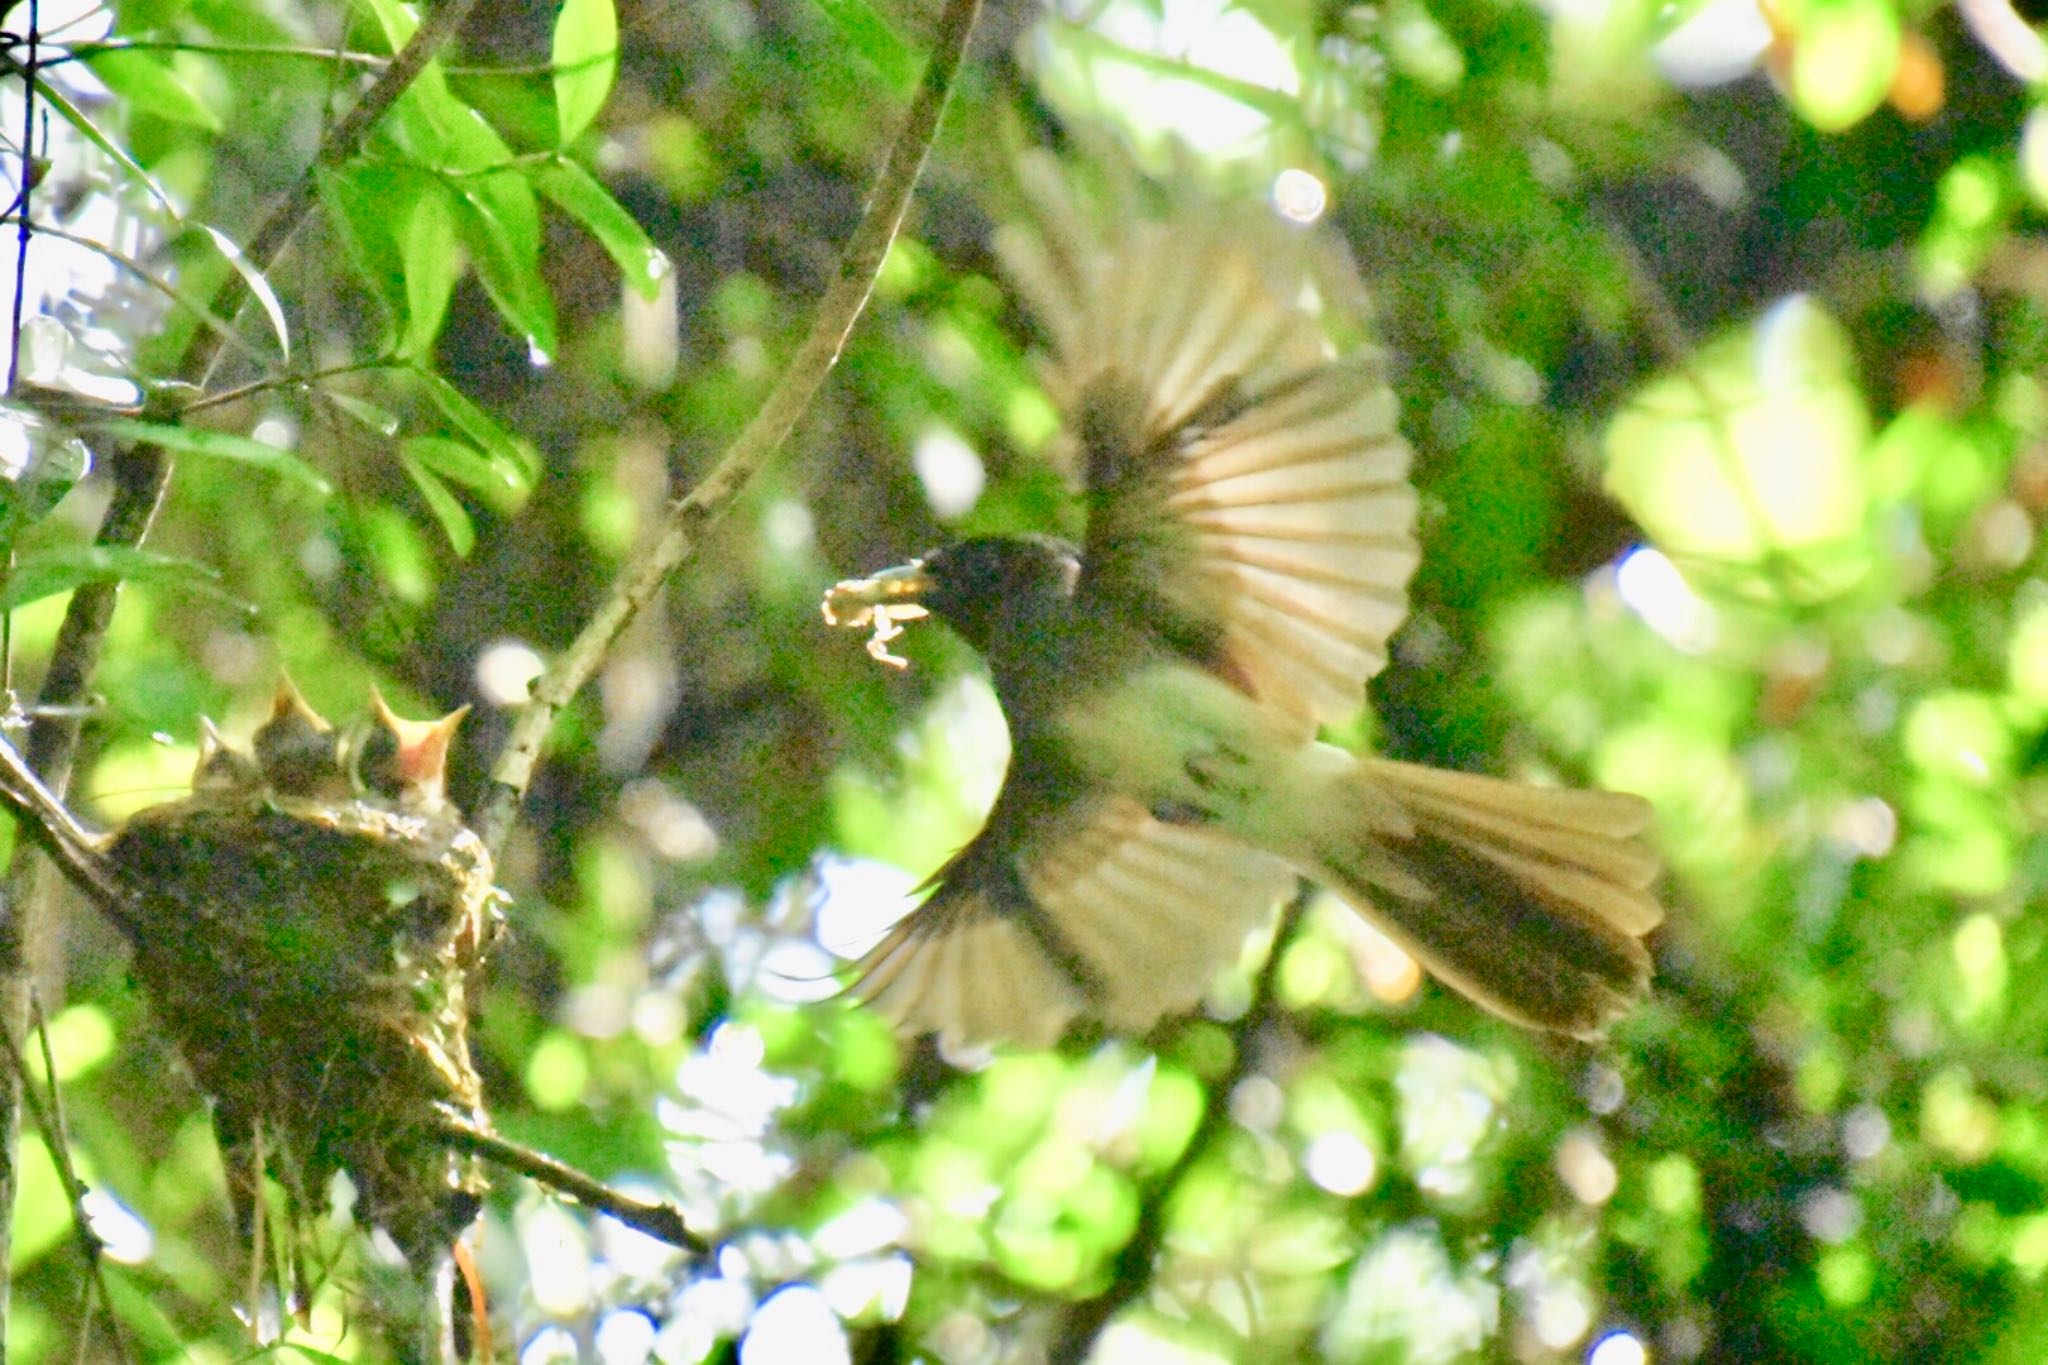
x=664, y=1222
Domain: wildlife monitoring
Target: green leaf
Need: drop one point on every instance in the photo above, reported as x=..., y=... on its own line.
x=61, y=568
x=467, y=466
x=74, y=116
x=869, y=34
x=432, y=266
x=583, y=197
x=1754, y=448
x=434, y=127
x=396, y=19
x=365, y=203
x=259, y=286
x=219, y=445
x=153, y=87
x=376, y=417
x=446, y=507
x=229, y=20
x=483, y=430
x=586, y=61
x=502, y=228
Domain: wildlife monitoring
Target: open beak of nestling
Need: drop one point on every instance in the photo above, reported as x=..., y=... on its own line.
x=417, y=771
x=880, y=603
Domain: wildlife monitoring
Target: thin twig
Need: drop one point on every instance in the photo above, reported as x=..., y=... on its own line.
x=49, y=1121
x=25, y=197
x=141, y=475
x=50, y=825
x=297, y=379
x=695, y=514
x=661, y=1221
x=368, y=61
x=1132, y=1272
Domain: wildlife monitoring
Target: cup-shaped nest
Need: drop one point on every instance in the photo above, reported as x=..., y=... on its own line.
x=312, y=958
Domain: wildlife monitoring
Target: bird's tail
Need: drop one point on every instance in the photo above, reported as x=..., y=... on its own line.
x=1533, y=901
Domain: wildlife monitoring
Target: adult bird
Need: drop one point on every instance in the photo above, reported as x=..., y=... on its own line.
x=1250, y=537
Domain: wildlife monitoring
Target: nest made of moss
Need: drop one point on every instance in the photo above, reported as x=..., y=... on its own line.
x=308, y=923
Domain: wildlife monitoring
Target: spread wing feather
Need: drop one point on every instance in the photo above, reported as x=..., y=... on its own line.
x=1245, y=484
x=1098, y=889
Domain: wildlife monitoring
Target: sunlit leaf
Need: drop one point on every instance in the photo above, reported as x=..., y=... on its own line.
x=586, y=62
x=447, y=508
x=259, y=287
x=501, y=220
x=1844, y=55
x=1754, y=447
x=467, y=467
x=220, y=445
x=367, y=204
x=151, y=85
x=42, y=1207
x=396, y=19
x=1973, y=202
x=505, y=449
x=376, y=417
x=580, y=194
x=73, y=115
x=870, y=35
x=432, y=265
x=502, y=228
x=53, y=569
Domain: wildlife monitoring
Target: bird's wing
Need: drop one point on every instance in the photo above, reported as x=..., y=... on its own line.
x=1096, y=909
x=1248, y=491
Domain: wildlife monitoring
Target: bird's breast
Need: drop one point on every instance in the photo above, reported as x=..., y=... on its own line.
x=1177, y=737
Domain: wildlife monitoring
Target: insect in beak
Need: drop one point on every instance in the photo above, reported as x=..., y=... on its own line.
x=881, y=602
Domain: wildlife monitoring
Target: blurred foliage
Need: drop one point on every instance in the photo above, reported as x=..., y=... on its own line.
x=1721, y=333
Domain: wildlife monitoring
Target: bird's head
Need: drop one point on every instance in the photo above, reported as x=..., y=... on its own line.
x=975, y=586
x=296, y=749
x=405, y=761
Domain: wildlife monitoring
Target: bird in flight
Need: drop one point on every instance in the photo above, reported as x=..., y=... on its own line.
x=1250, y=537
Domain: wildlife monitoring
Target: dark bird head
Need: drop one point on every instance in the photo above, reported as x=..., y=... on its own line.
x=989, y=590
x=984, y=586
x=222, y=769
x=297, y=749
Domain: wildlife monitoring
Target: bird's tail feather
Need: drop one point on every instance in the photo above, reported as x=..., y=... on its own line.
x=1532, y=901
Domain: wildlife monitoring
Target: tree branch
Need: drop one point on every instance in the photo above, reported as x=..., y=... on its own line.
x=663, y=1222
x=141, y=476
x=696, y=513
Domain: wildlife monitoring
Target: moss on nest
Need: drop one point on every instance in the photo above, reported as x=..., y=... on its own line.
x=313, y=956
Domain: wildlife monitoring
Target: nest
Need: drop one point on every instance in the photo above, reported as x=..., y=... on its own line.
x=309, y=938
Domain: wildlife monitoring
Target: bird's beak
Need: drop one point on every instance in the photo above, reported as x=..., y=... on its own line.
x=219, y=767
x=421, y=763
x=881, y=602
x=288, y=701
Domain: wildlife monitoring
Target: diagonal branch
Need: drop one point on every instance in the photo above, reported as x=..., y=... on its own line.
x=141, y=476
x=663, y=1222
x=695, y=514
